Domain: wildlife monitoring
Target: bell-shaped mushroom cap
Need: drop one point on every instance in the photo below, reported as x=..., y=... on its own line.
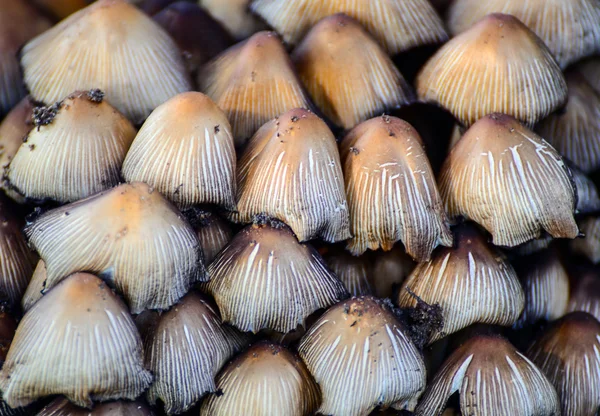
x=185, y=151
x=570, y=29
x=79, y=341
x=472, y=282
x=509, y=180
x=265, y=278
x=352, y=271
x=266, y=379
x=588, y=199
x=546, y=285
x=62, y=407
x=575, y=132
x=291, y=171
x=397, y=25
x=590, y=69
x=498, y=65
x=234, y=16
x=585, y=296
x=16, y=259
x=567, y=351
x=492, y=378
x=253, y=82
x=76, y=149
x=391, y=190
x=589, y=246
x=362, y=358
x=348, y=75
x=109, y=45
x=389, y=269
x=185, y=350
x=213, y=231
x=19, y=22
x=129, y=235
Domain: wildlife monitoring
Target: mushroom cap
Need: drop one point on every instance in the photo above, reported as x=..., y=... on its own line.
x=235, y=16
x=213, y=232
x=585, y=294
x=109, y=45
x=588, y=198
x=361, y=357
x=509, y=180
x=390, y=269
x=496, y=66
x=348, y=75
x=185, y=150
x=353, y=271
x=253, y=81
x=265, y=278
x=291, y=171
x=131, y=236
x=397, y=25
x=79, y=341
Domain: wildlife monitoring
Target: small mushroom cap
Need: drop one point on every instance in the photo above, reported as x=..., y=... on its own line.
x=347, y=73
x=590, y=69
x=567, y=352
x=109, y=45
x=213, y=232
x=509, y=180
x=492, y=376
x=353, y=271
x=291, y=171
x=391, y=190
x=570, y=29
x=235, y=16
x=390, y=269
x=185, y=150
x=129, y=235
x=79, y=341
x=198, y=345
x=498, y=65
x=361, y=357
x=589, y=246
x=588, y=199
x=62, y=407
x=585, y=295
x=472, y=282
x=253, y=82
x=265, y=278
x=76, y=149
x=397, y=26
x=266, y=379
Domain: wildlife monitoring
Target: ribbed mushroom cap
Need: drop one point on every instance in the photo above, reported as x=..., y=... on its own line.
x=492, y=378
x=570, y=28
x=389, y=269
x=266, y=379
x=472, y=282
x=253, y=82
x=19, y=22
x=109, y=45
x=585, y=295
x=509, y=180
x=546, y=285
x=265, y=278
x=590, y=69
x=213, y=232
x=567, y=352
x=129, y=235
x=185, y=350
x=76, y=149
x=589, y=246
x=498, y=65
x=79, y=341
x=575, y=132
x=588, y=199
x=291, y=171
x=362, y=358
x=185, y=150
x=397, y=26
x=234, y=16
x=348, y=75
x=62, y=407
x=391, y=190
x=352, y=271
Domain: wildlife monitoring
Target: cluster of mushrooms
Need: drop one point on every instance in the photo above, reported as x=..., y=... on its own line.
x=300, y=207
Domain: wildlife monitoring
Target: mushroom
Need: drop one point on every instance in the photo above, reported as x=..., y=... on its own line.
x=110, y=45
x=253, y=82
x=472, y=282
x=213, y=232
x=589, y=246
x=62, y=407
x=585, y=294
x=388, y=270
x=185, y=150
x=75, y=150
x=291, y=171
x=348, y=75
x=353, y=271
x=234, y=16
x=36, y=286
x=511, y=181
x=496, y=66
x=588, y=200
x=265, y=278
x=361, y=356
x=590, y=70
x=131, y=236
x=79, y=341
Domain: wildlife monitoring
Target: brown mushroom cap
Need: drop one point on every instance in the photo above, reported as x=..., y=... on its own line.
x=235, y=16
x=389, y=269
x=79, y=341
x=585, y=294
x=109, y=45
x=497, y=66
x=353, y=271
x=213, y=232
x=62, y=407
